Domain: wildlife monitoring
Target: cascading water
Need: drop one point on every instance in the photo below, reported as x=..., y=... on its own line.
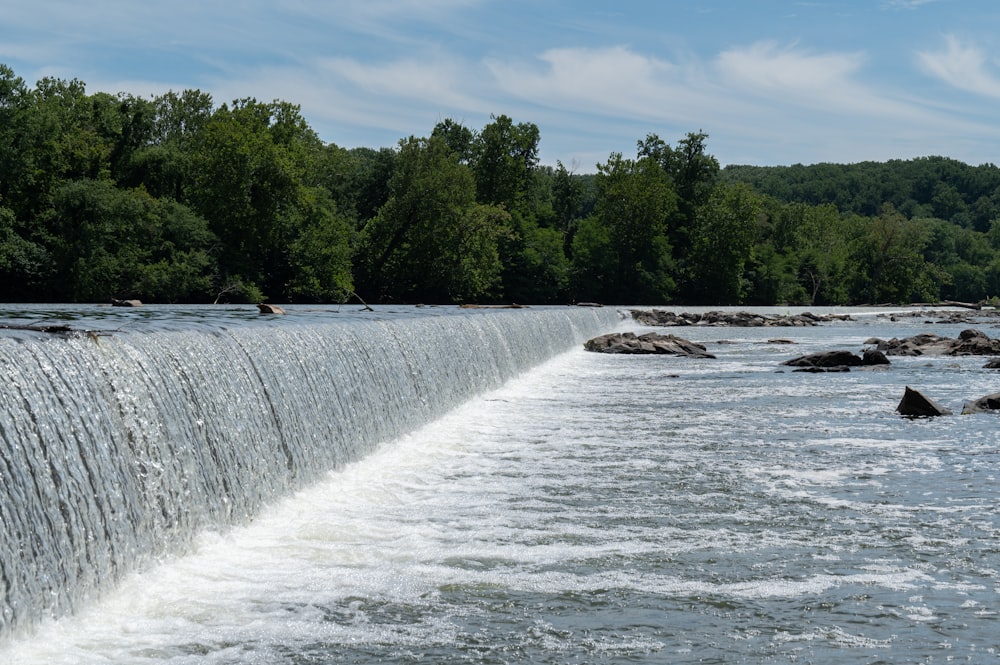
x=119, y=448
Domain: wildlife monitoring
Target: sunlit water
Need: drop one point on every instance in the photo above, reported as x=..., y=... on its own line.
x=613, y=509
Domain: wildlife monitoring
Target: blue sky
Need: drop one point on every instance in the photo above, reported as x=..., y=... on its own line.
x=770, y=81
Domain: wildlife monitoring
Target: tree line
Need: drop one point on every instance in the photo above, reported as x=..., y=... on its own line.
x=175, y=198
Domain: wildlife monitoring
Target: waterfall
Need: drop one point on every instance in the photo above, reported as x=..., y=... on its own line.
x=118, y=449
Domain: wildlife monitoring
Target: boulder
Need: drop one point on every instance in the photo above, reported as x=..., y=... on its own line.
x=826, y=359
x=970, y=342
x=873, y=357
x=649, y=343
x=915, y=404
x=983, y=404
x=265, y=308
x=126, y=303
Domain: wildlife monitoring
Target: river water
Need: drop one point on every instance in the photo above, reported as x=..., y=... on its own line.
x=613, y=509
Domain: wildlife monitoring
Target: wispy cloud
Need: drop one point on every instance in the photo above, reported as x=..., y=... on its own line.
x=963, y=66
x=613, y=80
x=907, y=4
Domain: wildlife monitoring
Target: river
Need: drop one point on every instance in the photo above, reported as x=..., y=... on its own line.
x=611, y=509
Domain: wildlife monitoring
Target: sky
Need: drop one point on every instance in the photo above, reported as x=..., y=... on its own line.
x=772, y=82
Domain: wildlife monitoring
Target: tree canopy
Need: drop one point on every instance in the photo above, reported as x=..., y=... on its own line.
x=175, y=198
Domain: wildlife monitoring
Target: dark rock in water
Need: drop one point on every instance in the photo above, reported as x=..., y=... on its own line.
x=873, y=357
x=823, y=370
x=826, y=359
x=837, y=361
x=992, y=364
x=125, y=303
x=650, y=343
x=658, y=317
x=915, y=404
x=970, y=342
x=269, y=309
x=983, y=404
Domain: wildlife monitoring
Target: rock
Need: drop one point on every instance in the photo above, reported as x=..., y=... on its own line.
x=823, y=370
x=983, y=404
x=992, y=364
x=265, y=308
x=658, y=317
x=650, y=343
x=826, y=359
x=873, y=357
x=970, y=342
x=915, y=404
x=125, y=303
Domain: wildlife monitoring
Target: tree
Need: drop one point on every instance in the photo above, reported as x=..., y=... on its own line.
x=567, y=197
x=458, y=137
x=722, y=240
x=116, y=243
x=162, y=146
x=503, y=157
x=823, y=253
x=635, y=200
x=25, y=265
x=887, y=255
x=255, y=168
x=320, y=252
x=693, y=173
x=431, y=241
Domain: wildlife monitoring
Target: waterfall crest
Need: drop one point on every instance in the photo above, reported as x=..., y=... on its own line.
x=119, y=449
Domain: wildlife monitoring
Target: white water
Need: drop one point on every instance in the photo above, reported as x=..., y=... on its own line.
x=611, y=509
x=119, y=449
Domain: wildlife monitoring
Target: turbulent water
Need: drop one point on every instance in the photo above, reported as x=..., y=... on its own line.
x=611, y=509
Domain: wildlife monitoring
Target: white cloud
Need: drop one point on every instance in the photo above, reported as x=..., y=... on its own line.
x=962, y=66
x=438, y=82
x=763, y=66
x=613, y=80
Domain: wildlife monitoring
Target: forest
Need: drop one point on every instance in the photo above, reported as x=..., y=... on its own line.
x=177, y=199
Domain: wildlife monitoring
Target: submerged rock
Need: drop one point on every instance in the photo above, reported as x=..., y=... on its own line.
x=915, y=404
x=649, y=343
x=269, y=309
x=983, y=404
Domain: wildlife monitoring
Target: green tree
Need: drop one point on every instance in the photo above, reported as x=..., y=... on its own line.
x=635, y=200
x=25, y=265
x=887, y=255
x=693, y=173
x=255, y=170
x=822, y=239
x=431, y=241
x=722, y=240
x=504, y=155
x=116, y=243
x=162, y=142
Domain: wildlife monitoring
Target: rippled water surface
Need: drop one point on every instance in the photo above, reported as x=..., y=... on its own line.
x=614, y=509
